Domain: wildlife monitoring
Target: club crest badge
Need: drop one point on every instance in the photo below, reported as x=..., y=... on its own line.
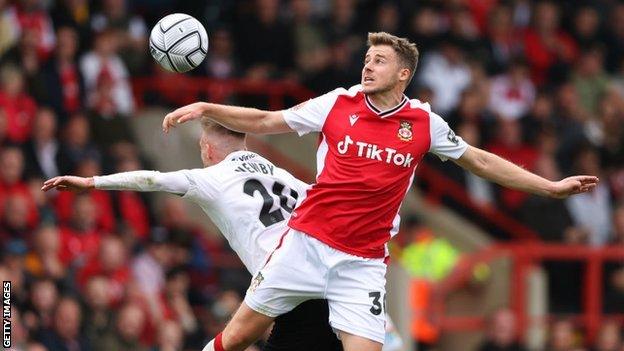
x=256, y=282
x=405, y=131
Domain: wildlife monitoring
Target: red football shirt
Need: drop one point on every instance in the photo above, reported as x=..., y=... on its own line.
x=365, y=162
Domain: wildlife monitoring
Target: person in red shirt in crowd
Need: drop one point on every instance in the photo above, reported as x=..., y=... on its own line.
x=32, y=15
x=62, y=77
x=80, y=239
x=545, y=44
x=112, y=263
x=11, y=171
x=509, y=145
x=19, y=108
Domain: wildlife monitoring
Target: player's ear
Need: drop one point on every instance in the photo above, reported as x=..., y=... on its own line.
x=404, y=74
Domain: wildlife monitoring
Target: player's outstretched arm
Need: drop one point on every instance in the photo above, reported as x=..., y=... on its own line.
x=241, y=119
x=505, y=173
x=171, y=182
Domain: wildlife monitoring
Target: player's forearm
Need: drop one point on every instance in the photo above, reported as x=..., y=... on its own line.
x=242, y=119
x=145, y=181
x=510, y=175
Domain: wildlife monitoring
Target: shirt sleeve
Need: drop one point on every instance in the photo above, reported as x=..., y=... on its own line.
x=310, y=116
x=171, y=182
x=203, y=185
x=444, y=143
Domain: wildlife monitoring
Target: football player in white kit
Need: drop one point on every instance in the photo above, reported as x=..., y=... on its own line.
x=372, y=138
x=250, y=201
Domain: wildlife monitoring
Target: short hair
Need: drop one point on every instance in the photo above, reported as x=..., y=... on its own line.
x=211, y=126
x=406, y=50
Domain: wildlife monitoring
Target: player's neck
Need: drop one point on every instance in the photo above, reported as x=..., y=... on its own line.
x=386, y=100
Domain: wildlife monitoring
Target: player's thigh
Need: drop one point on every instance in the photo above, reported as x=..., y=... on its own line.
x=245, y=328
x=352, y=342
x=305, y=328
x=293, y=274
x=356, y=295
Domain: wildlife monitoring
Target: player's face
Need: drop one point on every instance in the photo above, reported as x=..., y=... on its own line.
x=381, y=69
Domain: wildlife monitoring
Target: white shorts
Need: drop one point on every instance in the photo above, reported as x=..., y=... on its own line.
x=303, y=268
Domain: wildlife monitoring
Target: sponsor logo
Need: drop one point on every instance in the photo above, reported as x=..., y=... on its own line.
x=353, y=119
x=256, y=282
x=405, y=131
x=375, y=152
x=452, y=137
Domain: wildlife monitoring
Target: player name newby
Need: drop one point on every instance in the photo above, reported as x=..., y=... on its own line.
x=6, y=314
x=376, y=152
x=252, y=167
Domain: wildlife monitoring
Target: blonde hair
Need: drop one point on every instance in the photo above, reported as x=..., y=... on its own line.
x=210, y=126
x=406, y=50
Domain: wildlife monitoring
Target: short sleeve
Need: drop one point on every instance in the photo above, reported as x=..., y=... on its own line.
x=444, y=143
x=204, y=185
x=310, y=116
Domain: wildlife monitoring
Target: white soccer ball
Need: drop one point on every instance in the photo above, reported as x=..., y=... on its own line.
x=178, y=42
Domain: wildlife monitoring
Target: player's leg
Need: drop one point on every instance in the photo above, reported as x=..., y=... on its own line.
x=244, y=329
x=305, y=328
x=356, y=294
x=357, y=343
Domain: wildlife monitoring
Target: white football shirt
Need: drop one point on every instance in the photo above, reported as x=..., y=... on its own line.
x=247, y=197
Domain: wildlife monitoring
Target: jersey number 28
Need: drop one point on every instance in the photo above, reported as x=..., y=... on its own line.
x=268, y=217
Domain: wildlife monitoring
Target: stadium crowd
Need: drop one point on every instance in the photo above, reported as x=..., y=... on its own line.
x=540, y=83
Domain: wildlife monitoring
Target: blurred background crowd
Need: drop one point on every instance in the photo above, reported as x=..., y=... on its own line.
x=540, y=83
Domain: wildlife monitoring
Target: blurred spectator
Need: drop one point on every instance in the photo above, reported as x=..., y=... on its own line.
x=308, y=35
x=170, y=337
x=614, y=297
x=428, y=259
x=43, y=300
x=76, y=144
x=502, y=42
x=111, y=262
x=446, y=73
x=14, y=221
x=563, y=336
x=387, y=18
x=547, y=48
x=11, y=183
x=548, y=217
x=80, y=238
x=32, y=16
x=591, y=211
x=19, y=108
x=586, y=26
x=129, y=324
x=176, y=295
x=462, y=26
x=265, y=58
x=75, y=14
x=220, y=61
x=98, y=310
x=615, y=37
x=66, y=335
x=9, y=26
x=512, y=94
x=332, y=68
x=44, y=259
x=106, y=78
x=130, y=30
x=509, y=145
x=590, y=79
x=502, y=333
x=609, y=337
x=62, y=79
x=424, y=27
x=42, y=151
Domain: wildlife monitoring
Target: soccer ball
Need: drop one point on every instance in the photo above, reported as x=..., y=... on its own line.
x=178, y=42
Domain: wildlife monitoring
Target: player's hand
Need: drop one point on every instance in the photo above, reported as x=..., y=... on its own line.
x=68, y=183
x=184, y=114
x=573, y=185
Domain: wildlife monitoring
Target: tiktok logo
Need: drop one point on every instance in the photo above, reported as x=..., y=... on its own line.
x=375, y=152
